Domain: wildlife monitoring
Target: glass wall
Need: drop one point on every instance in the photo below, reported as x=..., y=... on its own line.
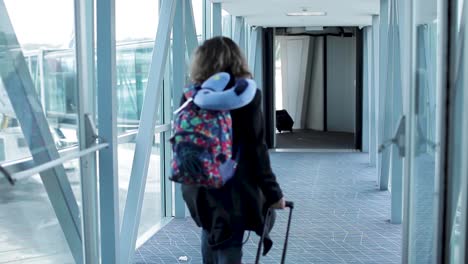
x=426, y=108
x=30, y=229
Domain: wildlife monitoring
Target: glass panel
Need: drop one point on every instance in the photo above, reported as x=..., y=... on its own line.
x=133, y=62
x=54, y=73
x=151, y=210
x=125, y=153
x=32, y=59
x=29, y=230
x=227, y=25
x=60, y=88
x=197, y=6
x=425, y=155
x=136, y=25
x=13, y=146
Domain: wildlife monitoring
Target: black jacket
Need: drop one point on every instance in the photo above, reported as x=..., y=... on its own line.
x=242, y=202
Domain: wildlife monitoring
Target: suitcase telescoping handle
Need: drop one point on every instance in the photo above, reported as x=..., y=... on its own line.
x=266, y=227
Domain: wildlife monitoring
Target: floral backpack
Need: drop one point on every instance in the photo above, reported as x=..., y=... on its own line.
x=202, y=131
x=202, y=145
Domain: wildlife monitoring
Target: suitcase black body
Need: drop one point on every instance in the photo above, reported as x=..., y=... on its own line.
x=290, y=205
x=284, y=122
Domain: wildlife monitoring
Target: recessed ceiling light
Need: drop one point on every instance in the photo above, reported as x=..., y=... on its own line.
x=306, y=13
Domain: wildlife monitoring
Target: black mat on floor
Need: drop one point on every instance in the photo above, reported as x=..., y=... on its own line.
x=311, y=139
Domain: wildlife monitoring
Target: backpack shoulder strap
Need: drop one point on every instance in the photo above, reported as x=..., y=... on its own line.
x=189, y=93
x=187, y=102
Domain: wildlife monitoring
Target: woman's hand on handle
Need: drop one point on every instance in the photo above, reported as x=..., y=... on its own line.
x=281, y=204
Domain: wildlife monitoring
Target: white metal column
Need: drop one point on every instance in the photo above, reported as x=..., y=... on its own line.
x=374, y=99
x=84, y=37
x=207, y=18
x=384, y=131
x=107, y=116
x=178, y=72
x=367, y=72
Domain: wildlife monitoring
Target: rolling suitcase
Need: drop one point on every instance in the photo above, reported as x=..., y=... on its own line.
x=284, y=122
x=290, y=205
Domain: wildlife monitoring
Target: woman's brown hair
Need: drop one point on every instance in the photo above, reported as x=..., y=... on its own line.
x=216, y=55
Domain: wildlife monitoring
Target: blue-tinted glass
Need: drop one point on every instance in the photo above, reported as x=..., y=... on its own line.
x=425, y=156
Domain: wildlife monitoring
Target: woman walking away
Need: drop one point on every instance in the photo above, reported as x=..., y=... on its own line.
x=240, y=204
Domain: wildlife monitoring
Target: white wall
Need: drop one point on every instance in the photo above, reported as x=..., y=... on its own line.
x=314, y=116
x=341, y=84
x=294, y=59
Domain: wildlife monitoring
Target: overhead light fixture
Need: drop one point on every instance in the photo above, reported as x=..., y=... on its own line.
x=305, y=12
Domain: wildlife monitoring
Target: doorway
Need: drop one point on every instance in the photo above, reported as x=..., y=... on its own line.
x=316, y=83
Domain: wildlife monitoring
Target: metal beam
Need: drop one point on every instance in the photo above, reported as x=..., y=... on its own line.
x=407, y=34
x=57, y=162
x=178, y=73
x=19, y=86
x=107, y=116
x=207, y=18
x=167, y=189
x=151, y=104
x=40, y=65
x=367, y=33
x=374, y=90
x=397, y=107
x=384, y=131
x=84, y=37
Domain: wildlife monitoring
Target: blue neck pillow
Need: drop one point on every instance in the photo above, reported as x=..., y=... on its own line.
x=215, y=93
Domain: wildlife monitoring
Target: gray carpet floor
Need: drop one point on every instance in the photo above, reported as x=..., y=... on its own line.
x=340, y=217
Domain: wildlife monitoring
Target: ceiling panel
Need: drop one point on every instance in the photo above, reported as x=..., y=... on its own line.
x=273, y=12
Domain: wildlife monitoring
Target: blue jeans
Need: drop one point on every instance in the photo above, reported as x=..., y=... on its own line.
x=229, y=253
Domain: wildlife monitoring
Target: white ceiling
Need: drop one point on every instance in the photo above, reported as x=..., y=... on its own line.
x=272, y=13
